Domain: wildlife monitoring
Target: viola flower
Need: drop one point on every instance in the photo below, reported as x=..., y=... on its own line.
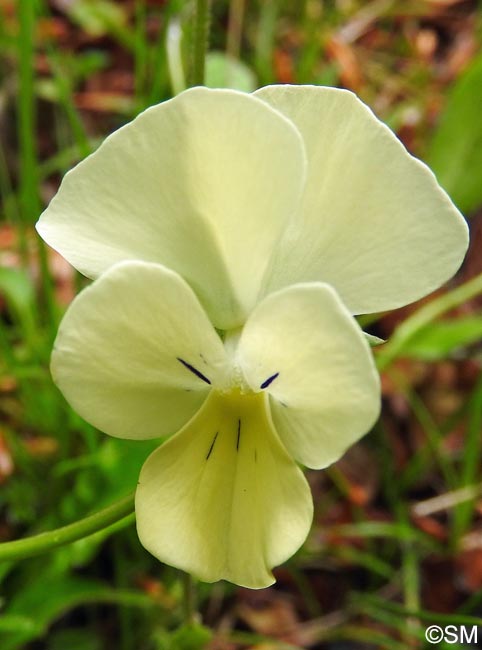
x=137, y=356
x=232, y=237
x=245, y=194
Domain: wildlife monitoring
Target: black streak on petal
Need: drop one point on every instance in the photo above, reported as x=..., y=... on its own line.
x=194, y=370
x=268, y=381
x=239, y=433
x=212, y=445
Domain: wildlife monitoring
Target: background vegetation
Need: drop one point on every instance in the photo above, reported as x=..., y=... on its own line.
x=397, y=540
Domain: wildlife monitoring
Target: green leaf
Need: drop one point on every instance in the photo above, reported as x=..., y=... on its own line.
x=16, y=286
x=222, y=71
x=96, y=17
x=100, y=18
x=35, y=608
x=441, y=339
x=423, y=318
x=40, y=603
x=18, y=624
x=189, y=637
x=455, y=153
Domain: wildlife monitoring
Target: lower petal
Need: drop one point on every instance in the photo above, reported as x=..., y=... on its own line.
x=222, y=499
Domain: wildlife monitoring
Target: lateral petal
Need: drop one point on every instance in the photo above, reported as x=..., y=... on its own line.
x=302, y=346
x=135, y=354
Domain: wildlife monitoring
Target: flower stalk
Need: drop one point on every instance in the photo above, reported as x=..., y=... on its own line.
x=189, y=599
x=202, y=21
x=45, y=542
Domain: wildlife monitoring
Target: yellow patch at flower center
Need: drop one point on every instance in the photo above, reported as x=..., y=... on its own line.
x=234, y=414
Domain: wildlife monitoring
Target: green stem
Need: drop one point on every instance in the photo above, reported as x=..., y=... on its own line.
x=45, y=542
x=26, y=122
x=189, y=599
x=200, y=41
x=423, y=317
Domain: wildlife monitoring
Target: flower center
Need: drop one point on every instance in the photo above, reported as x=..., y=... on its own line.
x=237, y=383
x=231, y=378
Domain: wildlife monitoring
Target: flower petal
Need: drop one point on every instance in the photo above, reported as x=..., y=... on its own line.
x=203, y=183
x=135, y=354
x=222, y=499
x=374, y=222
x=303, y=347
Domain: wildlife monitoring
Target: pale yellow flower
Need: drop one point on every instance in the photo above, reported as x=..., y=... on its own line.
x=273, y=218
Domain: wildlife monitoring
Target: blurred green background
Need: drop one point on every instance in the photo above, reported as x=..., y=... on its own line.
x=397, y=539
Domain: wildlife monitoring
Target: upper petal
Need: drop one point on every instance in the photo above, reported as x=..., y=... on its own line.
x=222, y=499
x=203, y=183
x=374, y=222
x=135, y=354
x=303, y=347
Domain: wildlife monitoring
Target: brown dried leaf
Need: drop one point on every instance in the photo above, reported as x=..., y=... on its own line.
x=469, y=566
x=360, y=471
x=269, y=613
x=431, y=526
